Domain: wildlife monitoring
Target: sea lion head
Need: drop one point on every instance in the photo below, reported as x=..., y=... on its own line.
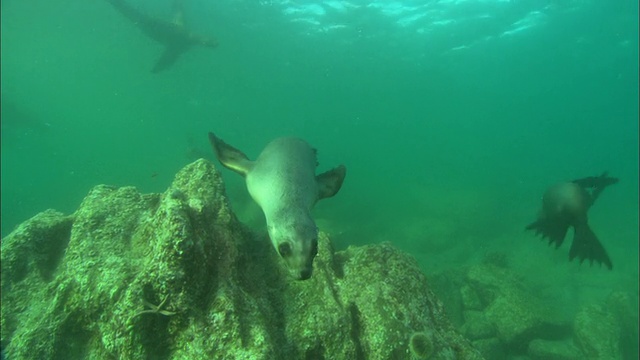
x=297, y=244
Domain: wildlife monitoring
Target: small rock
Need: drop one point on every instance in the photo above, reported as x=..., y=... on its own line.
x=477, y=326
x=540, y=349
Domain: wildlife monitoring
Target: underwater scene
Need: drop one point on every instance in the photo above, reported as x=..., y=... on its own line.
x=162, y=199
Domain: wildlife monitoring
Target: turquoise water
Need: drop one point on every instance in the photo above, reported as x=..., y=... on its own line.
x=452, y=117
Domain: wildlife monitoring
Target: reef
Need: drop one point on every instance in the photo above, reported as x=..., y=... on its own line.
x=177, y=276
x=504, y=318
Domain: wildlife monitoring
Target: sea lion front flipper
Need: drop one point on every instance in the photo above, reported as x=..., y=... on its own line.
x=601, y=181
x=597, y=183
x=587, y=246
x=230, y=157
x=330, y=182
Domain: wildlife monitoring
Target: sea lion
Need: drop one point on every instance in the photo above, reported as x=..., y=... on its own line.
x=172, y=34
x=566, y=204
x=283, y=182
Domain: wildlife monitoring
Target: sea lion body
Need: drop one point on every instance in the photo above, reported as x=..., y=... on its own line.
x=567, y=202
x=566, y=205
x=282, y=181
x=271, y=182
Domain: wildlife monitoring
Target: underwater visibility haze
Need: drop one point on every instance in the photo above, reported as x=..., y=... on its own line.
x=452, y=117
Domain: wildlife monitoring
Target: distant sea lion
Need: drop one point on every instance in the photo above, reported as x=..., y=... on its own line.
x=566, y=204
x=172, y=34
x=284, y=184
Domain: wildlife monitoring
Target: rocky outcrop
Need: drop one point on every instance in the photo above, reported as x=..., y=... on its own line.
x=176, y=276
x=608, y=330
x=504, y=318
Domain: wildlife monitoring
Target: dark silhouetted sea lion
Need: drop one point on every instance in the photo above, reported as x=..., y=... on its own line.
x=172, y=34
x=283, y=182
x=565, y=205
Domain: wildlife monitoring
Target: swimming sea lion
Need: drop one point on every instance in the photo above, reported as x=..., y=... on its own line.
x=566, y=204
x=284, y=184
x=172, y=34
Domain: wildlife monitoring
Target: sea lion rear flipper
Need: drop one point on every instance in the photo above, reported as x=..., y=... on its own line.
x=169, y=56
x=587, y=246
x=330, y=182
x=230, y=157
x=553, y=229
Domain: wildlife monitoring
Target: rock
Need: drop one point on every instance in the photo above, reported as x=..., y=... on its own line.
x=540, y=349
x=624, y=307
x=491, y=348
x=608, y=330
x=30, y=256
x=177, y=276
x=477, y=326
x=470, y=299
x=497, y=311
x=597, y=333
x=518, y=315
x=447, y=285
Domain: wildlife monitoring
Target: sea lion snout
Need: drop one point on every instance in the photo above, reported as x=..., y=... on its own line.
x=297, y=246
x=300, y=262
x=306, y=274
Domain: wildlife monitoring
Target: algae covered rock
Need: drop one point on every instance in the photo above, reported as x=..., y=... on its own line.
x=597, y=333
x=553, y=350
x=505, y=319
x=177, y=276
x=501, y=314
x=608, y=330
x=518, y=315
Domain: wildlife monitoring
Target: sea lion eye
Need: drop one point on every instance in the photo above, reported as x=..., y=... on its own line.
x=284, y=249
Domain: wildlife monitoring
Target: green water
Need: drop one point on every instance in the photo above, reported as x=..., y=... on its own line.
x=450, y=132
